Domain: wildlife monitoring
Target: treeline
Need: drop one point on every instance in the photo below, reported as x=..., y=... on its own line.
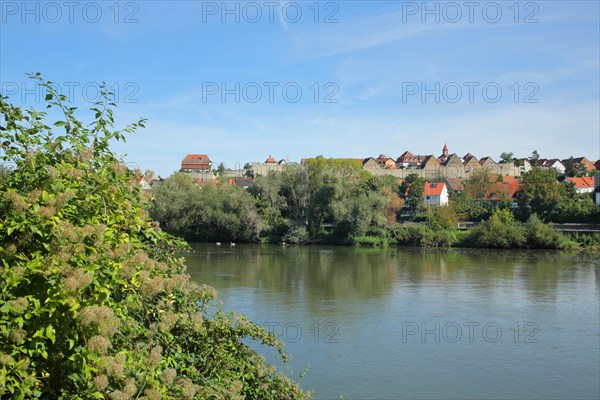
x=336, y=201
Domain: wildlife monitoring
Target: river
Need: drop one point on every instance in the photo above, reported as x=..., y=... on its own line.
x=403, y=323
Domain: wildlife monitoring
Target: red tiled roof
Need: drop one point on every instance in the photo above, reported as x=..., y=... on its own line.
x=503, y=190
x=455, y=184
x=195, y=161
x=270, y=160
x=433, y=188
x=585, y=182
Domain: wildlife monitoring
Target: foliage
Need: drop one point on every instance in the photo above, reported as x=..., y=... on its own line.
x=479, y=184
x=507, y=157
x=542, y=236
x=554, y=201
x=499, y=231
x=94, y=302
x=205, y=213
x=411, y=190
x=369, y=241
x=422, y=236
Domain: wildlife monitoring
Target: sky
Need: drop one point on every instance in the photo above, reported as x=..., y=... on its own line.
x=245, y=80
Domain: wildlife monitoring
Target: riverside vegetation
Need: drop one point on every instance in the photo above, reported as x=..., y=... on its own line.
x=95, y=304
x=335, y=201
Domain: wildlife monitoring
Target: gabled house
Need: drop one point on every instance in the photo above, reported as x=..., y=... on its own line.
x=589, y=166
x=430, y=163
x=195, y=162
x=435, y=194
x=385, y=162
x=524, y=165
x=470, y=162
x=453, y=161
x=487, y=162
x=409, y=160
x=143, y=183
x=582, y=185
x=501, y=191
x=370, y=164
x=552, y=163
x=454, y=185
x=270, y=160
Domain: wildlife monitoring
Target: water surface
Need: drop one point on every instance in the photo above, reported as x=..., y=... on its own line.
x=420, y=324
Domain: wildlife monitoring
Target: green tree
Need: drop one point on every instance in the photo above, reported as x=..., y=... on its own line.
x=499, y=231
x=479, y=184
x=205, y=213
x=507, y=157
x=411, y=190
x=95, y=304
x=534, y=160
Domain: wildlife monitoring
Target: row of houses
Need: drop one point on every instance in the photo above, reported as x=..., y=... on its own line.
x=443, y=174
x=430, y=167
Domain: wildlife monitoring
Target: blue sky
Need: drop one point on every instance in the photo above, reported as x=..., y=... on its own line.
x=240, y=81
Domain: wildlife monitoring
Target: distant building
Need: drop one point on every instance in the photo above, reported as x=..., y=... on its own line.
x=435, y=194
x=143, y=183
x=552, y=163
x=454, y=185
x=195, y=162
x=582, y=185
x=589, y=166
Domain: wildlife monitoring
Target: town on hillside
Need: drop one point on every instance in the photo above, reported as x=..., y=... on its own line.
x=443, y=174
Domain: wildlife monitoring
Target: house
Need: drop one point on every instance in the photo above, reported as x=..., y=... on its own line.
x=552, y=163
x=582, y=185
x=589, y=166
x=524, y=165
x=470, y=162
x=157, y=181
x=435, y=194
x=430, y=163
x=409, y=160
x=454, y=185
x=385, y=162
x=270, y=160
x=143, y=183
x=487, y=162
x=370, y=164
x=502, y=191
x=195, y=162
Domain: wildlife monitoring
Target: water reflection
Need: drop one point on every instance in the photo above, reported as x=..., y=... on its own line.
x=328, y=272
x=368, y=296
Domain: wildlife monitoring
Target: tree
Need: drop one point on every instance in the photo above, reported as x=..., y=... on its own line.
x=95, y=303
x=540, y=193
x=507, y=157
x=479, y=184
x=534, y=160
x=411, y=190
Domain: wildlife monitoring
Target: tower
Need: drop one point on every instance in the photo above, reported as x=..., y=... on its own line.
x=445, y=151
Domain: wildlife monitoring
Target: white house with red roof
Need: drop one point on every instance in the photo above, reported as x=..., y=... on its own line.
x=435, y=194
x=582, y=185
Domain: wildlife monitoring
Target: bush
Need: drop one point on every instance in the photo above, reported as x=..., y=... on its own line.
x=499, y=231
x=94, y=302
x=422, y=236
x=369, y=241
x=542, y=236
